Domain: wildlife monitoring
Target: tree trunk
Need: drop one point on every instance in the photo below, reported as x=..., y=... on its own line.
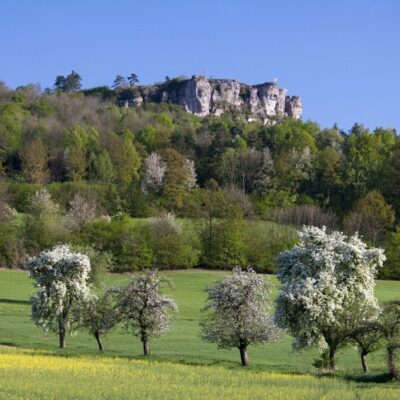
x=61, y=334
x=391, y=362
x=98, y=340
x=146, y=344
x=332, y=358
x=146, y=348
x=244, y=358
x=364, y=362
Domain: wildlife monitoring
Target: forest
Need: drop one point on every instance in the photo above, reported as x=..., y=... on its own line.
x=155, y=186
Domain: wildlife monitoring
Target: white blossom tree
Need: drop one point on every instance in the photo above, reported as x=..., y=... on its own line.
x=238, y=312
x=62, y=278
x=191, y=176
x=327, y=289
x=143, y=309
x=81, y=211
x=41, y=204
x=154, y=173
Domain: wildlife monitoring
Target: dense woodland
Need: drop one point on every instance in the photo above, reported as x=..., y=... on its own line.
x=76, y=167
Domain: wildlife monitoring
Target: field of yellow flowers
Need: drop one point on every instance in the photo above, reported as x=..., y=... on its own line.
x=33, y=375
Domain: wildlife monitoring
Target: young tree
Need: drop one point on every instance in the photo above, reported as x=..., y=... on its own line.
x=368, y=338
x=238, y=312
x=390, y=325
x=62, y=279
x=100, y=317
x=327, y=289
x=143, y=309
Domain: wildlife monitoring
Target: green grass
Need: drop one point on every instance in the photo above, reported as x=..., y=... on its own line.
x=34, y=375
x=182, y=344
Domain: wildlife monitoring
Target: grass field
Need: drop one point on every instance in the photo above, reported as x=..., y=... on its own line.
x=182, y=345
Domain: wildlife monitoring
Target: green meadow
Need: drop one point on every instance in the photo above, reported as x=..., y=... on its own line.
x=181, y=355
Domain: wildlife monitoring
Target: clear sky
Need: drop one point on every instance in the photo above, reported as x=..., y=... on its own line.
x=341, y=56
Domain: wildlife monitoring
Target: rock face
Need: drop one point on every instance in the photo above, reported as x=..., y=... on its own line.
x=202, y=96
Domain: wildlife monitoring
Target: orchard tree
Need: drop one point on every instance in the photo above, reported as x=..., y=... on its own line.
x=390, y=325
x=327, y=289
x=62, y=278
x=368, y=338
x=100, y=317
x=238, y=312
x=144, y=309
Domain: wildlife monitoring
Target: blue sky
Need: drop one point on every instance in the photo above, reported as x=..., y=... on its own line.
x=342, y=57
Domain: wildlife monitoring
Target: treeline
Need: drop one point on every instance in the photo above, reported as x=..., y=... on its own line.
x=129, y=244
x=157, y=158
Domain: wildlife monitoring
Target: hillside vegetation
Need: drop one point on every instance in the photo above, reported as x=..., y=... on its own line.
x=98, y=160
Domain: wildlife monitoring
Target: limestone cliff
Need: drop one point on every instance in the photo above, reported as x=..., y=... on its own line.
x=202, y=96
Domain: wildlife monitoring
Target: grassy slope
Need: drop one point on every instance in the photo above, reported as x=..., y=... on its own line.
x=182, y=344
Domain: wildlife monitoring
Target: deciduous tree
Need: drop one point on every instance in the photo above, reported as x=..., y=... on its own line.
x=238, y=312
x=61, y=278
x=143, y=309
x=327, y=289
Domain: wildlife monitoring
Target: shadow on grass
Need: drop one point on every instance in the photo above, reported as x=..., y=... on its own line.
x=373, y=378
x=13, y=301
x=9, y=344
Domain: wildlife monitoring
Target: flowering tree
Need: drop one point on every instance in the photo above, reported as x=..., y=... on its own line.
x=191, y=176
x=238, y=312
x=81, y=212
x=154, y=172
x=62, y=279
x=327, y=289
x=143, y=309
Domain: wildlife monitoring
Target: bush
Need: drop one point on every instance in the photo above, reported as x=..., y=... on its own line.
x=264, y=241
x=225, y=248
x=172, y=246
x=128, y=243
x=9, y=246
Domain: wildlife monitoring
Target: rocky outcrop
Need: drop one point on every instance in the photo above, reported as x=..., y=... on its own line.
x=202, y=96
